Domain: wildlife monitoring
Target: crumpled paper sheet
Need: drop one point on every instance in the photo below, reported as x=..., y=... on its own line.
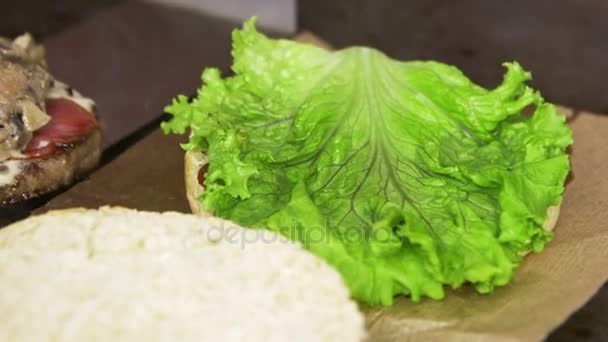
x=547, y=288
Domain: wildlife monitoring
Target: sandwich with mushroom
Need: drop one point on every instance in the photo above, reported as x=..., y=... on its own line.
x=49, y=134
x=404, y=175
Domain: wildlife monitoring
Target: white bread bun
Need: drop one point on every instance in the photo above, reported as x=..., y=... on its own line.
x=121, y=275
x=194, y=161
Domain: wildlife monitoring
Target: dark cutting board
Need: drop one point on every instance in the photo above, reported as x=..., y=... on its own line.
x=147, y=176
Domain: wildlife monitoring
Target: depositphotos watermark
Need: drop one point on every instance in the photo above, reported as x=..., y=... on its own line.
x=228, y=232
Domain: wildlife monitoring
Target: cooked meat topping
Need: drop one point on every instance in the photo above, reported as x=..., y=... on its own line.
x=69, y=123
x=24, y=83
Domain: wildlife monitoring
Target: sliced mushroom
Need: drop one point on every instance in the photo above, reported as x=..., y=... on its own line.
x=33, y=117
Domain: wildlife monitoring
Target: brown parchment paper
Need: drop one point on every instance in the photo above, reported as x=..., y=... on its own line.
x=546, y=289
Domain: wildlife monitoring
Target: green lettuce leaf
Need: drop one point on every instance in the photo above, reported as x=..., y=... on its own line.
x=405, y=176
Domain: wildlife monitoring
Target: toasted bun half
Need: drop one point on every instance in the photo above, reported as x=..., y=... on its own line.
x=117, y=274
x=36, y=176
x=194, y=161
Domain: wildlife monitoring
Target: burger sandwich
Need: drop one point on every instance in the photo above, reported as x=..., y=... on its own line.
x=407, y=177
x=49, y=135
